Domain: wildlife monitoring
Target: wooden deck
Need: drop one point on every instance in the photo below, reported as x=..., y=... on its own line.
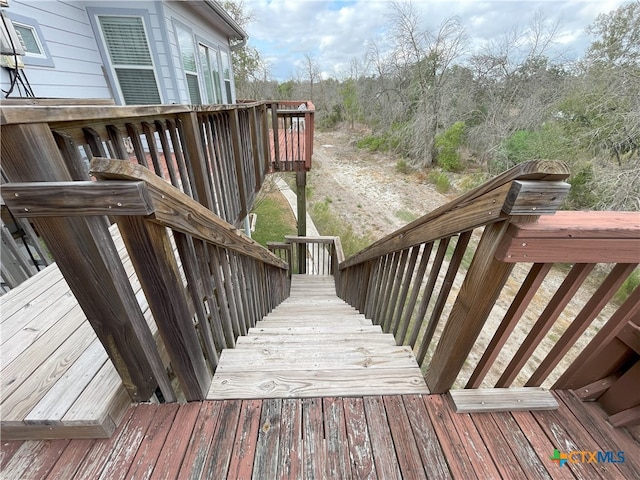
x=314, y=345
x=57, y=380
x=384, y=437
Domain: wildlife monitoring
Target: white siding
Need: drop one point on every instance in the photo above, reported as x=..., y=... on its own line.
x=77, y=70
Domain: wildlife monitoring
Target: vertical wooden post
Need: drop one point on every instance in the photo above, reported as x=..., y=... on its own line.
x=301, y=184
x=194, y=152
x=478, y=294
x=153, y=259
x=237, y=156
x=87, y=257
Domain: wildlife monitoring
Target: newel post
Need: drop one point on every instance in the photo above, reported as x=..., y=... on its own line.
x=478, y=294
x=87, y=257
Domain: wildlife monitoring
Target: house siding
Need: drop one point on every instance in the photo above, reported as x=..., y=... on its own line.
x=80, y=62
x=77, y=65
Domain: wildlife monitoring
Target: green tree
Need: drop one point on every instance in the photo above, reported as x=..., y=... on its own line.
x=447, y=143
x=349, y=94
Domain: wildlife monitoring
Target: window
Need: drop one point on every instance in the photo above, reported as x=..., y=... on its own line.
x=188, y=55
x=126, y=41
x=29, y=40
x=226, y=69
x=209, y=66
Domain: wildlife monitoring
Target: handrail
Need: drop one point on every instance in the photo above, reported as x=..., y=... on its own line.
x=219, y=263
x=214, y=160
x=435, y=282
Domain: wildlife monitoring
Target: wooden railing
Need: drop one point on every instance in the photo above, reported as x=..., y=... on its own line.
x=210, y=161
x=217, y=155
x=310, y=255
x=205, y=283
x=446, y=284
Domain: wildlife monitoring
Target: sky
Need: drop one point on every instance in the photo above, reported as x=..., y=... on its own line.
x=333, y=32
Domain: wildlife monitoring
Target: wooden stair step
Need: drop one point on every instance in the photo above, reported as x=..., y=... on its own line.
x=321, y=330
x=336, y=338
x=301, y=358
x=317, y=383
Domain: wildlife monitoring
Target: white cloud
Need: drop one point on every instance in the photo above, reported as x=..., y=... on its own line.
x=334, y=32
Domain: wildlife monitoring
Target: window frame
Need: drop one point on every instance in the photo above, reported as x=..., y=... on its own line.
x=177, y=27
x=109, y=68
x=43, y=59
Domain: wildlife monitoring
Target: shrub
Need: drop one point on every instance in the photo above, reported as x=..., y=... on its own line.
x=402, y=166
x=441, y=181
x=447, y=144
x=629, y=285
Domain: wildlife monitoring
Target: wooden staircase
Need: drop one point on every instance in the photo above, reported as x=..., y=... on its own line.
x=312, y=345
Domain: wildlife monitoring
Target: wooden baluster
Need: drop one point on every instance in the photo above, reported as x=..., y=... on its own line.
x=454, y=265
x=228, y=319
x=581, y=372
x=481, y=287
x=138, y=149
x=393, y=303
x=255, y=148
x=238, y=290
x=596, y=303
x=237, y=157
x=86, y=255
x=406, y=283
x=563, y=295
x=415, y=291
x=95, y=142
x=193, y=144
x=215, y=320
x=519, y=305
x=185, y=176
x=153, y=149
x=186, y=250
x=168, y=160
x=118, y=142
x=152, y=256
x=390, y=281
x=428, y=289
x=77, y=167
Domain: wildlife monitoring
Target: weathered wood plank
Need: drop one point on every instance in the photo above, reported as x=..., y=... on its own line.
x=266, y=461
x=290, y=444
x=338, y=465
x=193, y=462
x=67, y=463
x=406, y=449
x=315, y=450
x=360, y=450
x=457, y=456
x=244, y=447
x=498, y=447
x=178, y=439
x=219, y=456
x=535, y=198
x=608, y=437
x=151, y=445
x=77, y=199
x=502, y=399
x=297, y=384
x=34, y=460
x=433, y=459
x=386, y=461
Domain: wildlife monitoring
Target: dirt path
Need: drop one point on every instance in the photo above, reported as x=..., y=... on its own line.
x=365, y=189
x=368, y=192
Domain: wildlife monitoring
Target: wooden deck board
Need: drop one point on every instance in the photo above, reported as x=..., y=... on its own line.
x=56, y=378
x=331, y=437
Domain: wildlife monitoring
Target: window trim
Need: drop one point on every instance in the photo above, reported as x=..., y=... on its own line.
x=112, y=78
x=43, y=60
x=179, y=26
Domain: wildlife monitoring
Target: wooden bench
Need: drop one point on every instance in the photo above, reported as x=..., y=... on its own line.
x=56, y=379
